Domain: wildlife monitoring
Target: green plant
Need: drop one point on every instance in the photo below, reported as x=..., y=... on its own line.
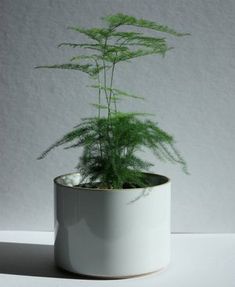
x=111, y=139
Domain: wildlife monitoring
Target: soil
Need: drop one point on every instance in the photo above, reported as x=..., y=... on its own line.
x=102, y=186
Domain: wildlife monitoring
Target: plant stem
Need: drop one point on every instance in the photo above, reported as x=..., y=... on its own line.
x=109, y=126
x=99, y=92
x=99, y=110
x=105, y=78
x=111, y=85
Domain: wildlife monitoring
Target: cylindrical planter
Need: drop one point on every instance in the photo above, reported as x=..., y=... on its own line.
x=112, y=233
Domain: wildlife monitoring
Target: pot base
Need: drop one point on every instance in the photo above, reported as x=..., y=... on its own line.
x=103, y=277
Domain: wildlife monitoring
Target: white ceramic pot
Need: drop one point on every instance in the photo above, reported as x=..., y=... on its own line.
x=112, y=233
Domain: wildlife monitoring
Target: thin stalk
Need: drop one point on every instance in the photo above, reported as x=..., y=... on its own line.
x=105, y=77
x=111, y=81
x=99, y=110
x=111, y=85
x=99, y=92
x=109, y=126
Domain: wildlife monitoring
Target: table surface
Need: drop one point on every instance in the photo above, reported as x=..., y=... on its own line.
x=26, y=259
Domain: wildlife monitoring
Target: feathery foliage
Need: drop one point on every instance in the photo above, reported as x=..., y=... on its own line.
x=111, y=139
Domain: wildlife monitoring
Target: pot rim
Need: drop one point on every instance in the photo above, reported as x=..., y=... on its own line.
x=78, y=188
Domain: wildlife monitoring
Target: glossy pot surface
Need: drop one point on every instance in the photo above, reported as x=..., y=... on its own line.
x=112, y=233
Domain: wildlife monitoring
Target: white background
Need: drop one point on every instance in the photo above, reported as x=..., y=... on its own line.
x=191, y=91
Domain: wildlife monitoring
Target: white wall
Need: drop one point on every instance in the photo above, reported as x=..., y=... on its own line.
x=191, y=92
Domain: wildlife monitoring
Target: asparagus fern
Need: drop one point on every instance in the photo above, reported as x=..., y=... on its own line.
x=111, y=140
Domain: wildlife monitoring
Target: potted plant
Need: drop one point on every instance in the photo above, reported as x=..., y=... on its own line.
x=112, y=217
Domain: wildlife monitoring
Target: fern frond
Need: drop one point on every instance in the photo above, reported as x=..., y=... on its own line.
x=132, y=54
x=99, y=106
x=120, y=19
x=93, y=57
x=65, y=139
x=89, y=69
x=97, y=34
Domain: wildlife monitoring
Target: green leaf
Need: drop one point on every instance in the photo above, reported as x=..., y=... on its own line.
x=128, y=55
x=133, y=38
x=97, y=34
x=120, y=19
x=99, y=106
x=87, y=68
x=131, y=114
x=98, y=47
x=125, y=35
x=94, y=57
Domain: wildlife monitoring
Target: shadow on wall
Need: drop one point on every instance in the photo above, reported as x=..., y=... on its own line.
x=32, y=260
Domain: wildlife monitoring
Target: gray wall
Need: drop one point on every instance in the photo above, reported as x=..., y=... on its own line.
x=191, y=92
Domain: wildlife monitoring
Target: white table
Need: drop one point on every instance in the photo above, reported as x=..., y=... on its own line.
x=198, y=260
